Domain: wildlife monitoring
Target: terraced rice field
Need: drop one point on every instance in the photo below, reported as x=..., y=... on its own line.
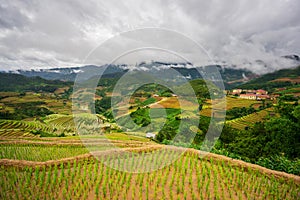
x=234, y=102
x=248, y=120
x=13, y=133
x=45, y=149
x=12, y=128
x=174, y=102
x=54, y=124
x=40, y=152
x=55, y=120
x=107, y=176
x=230, y=103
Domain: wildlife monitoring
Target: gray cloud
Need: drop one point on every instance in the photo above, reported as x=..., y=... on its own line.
x=40, y=34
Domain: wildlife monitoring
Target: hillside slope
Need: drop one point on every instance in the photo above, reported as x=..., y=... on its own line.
x=20, y=83
x=280, y=78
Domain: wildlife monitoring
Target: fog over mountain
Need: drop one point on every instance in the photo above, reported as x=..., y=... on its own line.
x=257, y=35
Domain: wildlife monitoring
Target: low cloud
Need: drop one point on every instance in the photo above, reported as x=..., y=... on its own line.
x=248, y=34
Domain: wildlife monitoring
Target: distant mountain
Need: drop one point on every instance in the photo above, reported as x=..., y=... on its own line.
x=70, y=74
x=20, y=83
x=280, y=78
x=231, y=76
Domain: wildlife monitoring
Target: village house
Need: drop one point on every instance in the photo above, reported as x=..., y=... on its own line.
x=262, y=96
x=248, y=96
x=261, y=92
x=236, y=91
x=150, y=135
x=253, y=96
x=240, y=91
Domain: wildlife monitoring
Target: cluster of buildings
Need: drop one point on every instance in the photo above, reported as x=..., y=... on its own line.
x=156, y=95
x=251, y=94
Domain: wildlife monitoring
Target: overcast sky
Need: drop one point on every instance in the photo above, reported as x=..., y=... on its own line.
x=43, y=34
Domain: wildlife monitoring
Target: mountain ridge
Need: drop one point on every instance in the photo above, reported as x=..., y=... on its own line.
x=231, y=76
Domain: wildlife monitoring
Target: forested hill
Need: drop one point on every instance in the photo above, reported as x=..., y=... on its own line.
x=280, y=78
x=20, y=83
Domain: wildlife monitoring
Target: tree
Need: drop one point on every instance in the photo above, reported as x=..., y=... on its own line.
x=296, y=113
x=282, y=140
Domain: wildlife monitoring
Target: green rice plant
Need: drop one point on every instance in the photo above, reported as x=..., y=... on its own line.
x=77, y=179
x=55, y=174
x=133, y=193
x=62, y=174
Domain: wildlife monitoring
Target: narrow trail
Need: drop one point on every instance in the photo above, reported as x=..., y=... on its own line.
x=158, y=102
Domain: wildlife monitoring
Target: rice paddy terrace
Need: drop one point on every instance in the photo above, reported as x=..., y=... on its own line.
x=249, y=120
x=92, y=168
x=54, y=124
x=229, y=103
x=123, y=166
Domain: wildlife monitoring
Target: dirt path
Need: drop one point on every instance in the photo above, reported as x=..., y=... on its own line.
x=158, y=102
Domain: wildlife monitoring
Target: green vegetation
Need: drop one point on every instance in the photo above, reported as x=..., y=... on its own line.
x=46, y=134
x=267, y=81
x=149, y=89
x=201, y=89
x=24, y=125
x=102, y=105
x=187, y=178
x=239, y=112
x=40, y=152
x=19, y=83
x=37, y=126
x=15, y=133
x=148, y=101
x=257, y=137
x=141, y=116
x=170, y=128
x=280, y=163
x=26, y=110
x=249, y=120
x=268, y=139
